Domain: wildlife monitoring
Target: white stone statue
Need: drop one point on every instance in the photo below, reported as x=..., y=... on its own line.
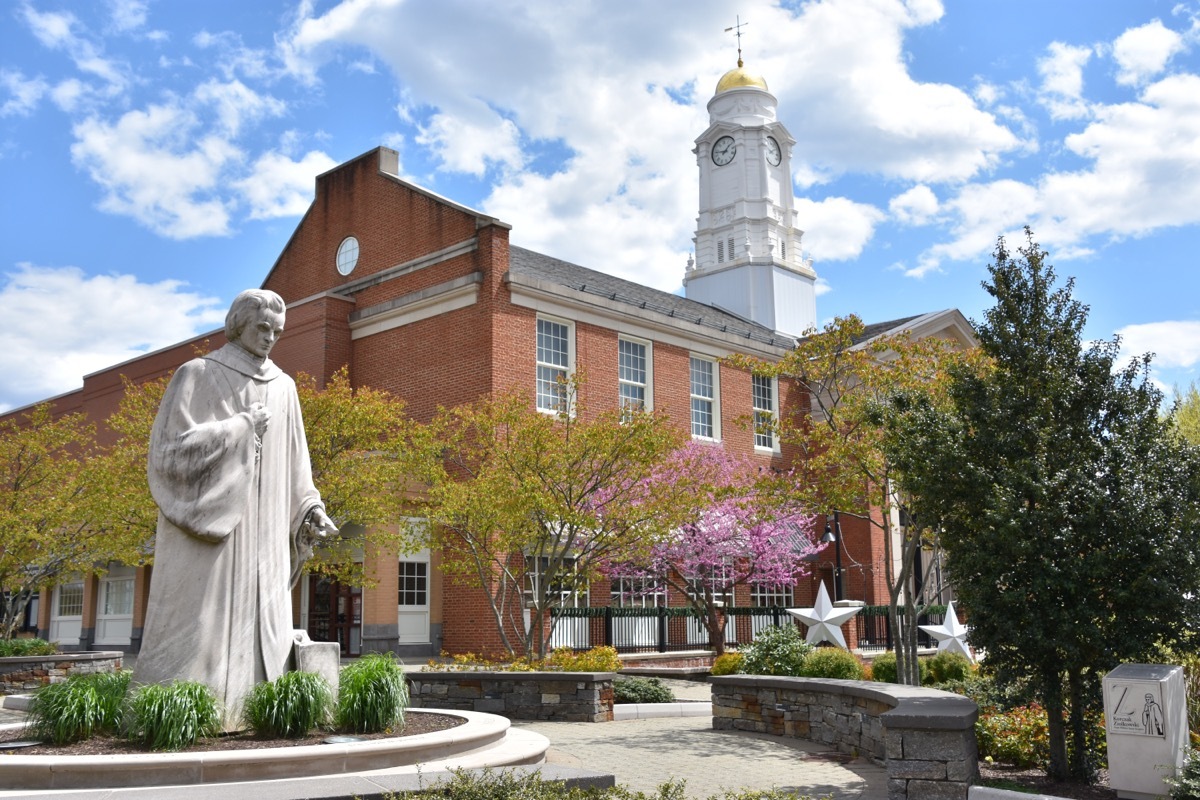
x=238, y=513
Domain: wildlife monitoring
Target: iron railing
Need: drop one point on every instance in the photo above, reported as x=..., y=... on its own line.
x=664, y=630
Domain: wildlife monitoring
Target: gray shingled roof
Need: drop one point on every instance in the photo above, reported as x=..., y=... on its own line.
x=589, y=281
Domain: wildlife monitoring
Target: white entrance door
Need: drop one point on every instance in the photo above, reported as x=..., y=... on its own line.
x=413, y=612
x=114, y=612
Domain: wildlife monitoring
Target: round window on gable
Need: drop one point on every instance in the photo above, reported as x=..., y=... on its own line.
x=347, y=255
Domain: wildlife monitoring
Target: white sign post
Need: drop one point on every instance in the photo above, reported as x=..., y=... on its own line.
x=1145, y=719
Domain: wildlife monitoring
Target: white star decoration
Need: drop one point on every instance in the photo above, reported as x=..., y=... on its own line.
x=951, y=634
x=823, y=620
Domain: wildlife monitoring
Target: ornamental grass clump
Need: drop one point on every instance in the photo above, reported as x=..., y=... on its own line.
x=80, y=707
x=289, y=706
x=173, y=716
x=372, y=695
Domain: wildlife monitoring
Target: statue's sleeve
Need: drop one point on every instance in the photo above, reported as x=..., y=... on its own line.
x=201, y=463
x=304, y=493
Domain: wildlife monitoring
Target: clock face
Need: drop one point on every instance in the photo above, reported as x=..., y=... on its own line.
x=773, y=153
x=724, y=151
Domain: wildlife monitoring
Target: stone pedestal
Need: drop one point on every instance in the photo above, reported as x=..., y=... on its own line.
x=1145, y=714
x=323, y=658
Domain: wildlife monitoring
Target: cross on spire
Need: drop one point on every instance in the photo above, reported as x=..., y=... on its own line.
x=738, y=29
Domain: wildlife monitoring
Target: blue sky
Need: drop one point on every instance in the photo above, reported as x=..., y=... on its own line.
x=156, y=156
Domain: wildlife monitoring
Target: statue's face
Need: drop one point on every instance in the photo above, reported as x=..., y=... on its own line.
x=261, y=335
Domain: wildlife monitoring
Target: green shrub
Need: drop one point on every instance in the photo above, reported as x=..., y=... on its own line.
x=641, y=690
x=727, y=664
x=883, y=668
x=598, y=659
x=947, y=667
x=832, y=662
x=1186, y=784
x=289, y=706
x=26, y=647
x=1019, y=737
x=78, y=708
x=172, y=716
x=776, y=651
x=372, y=695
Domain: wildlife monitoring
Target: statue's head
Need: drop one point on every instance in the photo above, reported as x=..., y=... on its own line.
x=250, y=308
x=245, y=310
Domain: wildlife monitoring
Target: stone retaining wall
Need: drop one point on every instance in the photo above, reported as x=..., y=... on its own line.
x=559, y=696
x=19, y=674
x=925, y=737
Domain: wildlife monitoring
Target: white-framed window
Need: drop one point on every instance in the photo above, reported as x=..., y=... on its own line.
x=635, y=374
x=566, y=592
x=555, y=361
x=637, y=592
x=768, y=595
x=705, y=396
x=413, y=583
x=765, y=402
x=715, y=581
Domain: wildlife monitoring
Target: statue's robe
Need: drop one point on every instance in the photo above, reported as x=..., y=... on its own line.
x=229, y=527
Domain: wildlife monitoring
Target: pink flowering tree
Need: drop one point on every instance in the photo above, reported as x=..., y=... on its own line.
x=742, y=533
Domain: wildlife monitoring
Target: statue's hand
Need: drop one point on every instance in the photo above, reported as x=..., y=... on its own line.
x=259, y=416
x=320, y=523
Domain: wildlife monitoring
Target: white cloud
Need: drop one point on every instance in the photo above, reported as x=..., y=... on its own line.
x=127, y=15
x=61, y=324
x=1061, y=91
x=58, y=31
x=837, y=228
x=154, y=167
x=470, y=146
x=1174, y=343
x=24, y=93
x=917, y=206
x=277, y=186
x=1142, y=53
x=235, y=104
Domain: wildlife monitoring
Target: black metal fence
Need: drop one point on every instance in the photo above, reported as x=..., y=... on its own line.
x=664, y=630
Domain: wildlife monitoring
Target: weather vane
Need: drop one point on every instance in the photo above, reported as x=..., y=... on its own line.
x=738, y=29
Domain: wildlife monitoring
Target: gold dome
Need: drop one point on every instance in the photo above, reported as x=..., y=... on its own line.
x=739, y=78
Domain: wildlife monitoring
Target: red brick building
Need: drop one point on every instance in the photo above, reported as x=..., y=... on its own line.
x=427, y=299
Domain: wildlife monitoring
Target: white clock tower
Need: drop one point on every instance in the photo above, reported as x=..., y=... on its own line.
x=748, y=256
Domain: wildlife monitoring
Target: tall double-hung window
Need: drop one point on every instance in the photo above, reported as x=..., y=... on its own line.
x=765, y=403
x=555, y=353
x=633, y=375
x=705, y=394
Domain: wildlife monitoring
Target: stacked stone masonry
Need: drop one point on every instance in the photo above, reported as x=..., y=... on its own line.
x=925, y=738
x=27, y=673
x=553, y=696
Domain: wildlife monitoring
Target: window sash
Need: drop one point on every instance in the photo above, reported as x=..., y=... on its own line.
x=766, y=595
x=414, y=583
x=118, y=597
x=763, y=389
x=70, y=600
x=553, y=364
x=703, y=396
x=632, y=374
x=637, y=592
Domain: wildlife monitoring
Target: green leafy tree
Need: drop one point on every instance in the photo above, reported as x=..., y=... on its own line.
x=837, y=439
x=529, y=506
x=1185, y=413
x=1068, y=509
x=357, y=440
x=51, y=508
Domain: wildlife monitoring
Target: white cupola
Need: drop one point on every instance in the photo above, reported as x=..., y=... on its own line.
x=748, y=254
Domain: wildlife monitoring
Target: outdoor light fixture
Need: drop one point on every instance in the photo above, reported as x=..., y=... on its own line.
x=834, y=535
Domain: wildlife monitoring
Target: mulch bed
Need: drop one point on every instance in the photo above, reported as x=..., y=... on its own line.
x=1036, y=782
x=109, y=745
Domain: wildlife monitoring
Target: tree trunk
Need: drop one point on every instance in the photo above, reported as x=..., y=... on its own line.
x=1053, y=696
x=1080, y=766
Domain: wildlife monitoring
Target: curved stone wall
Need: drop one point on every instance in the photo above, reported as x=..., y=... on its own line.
x=925, y=737
x=20, y=674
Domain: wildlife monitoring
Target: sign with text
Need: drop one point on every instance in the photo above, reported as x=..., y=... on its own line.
x=1135, y=708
